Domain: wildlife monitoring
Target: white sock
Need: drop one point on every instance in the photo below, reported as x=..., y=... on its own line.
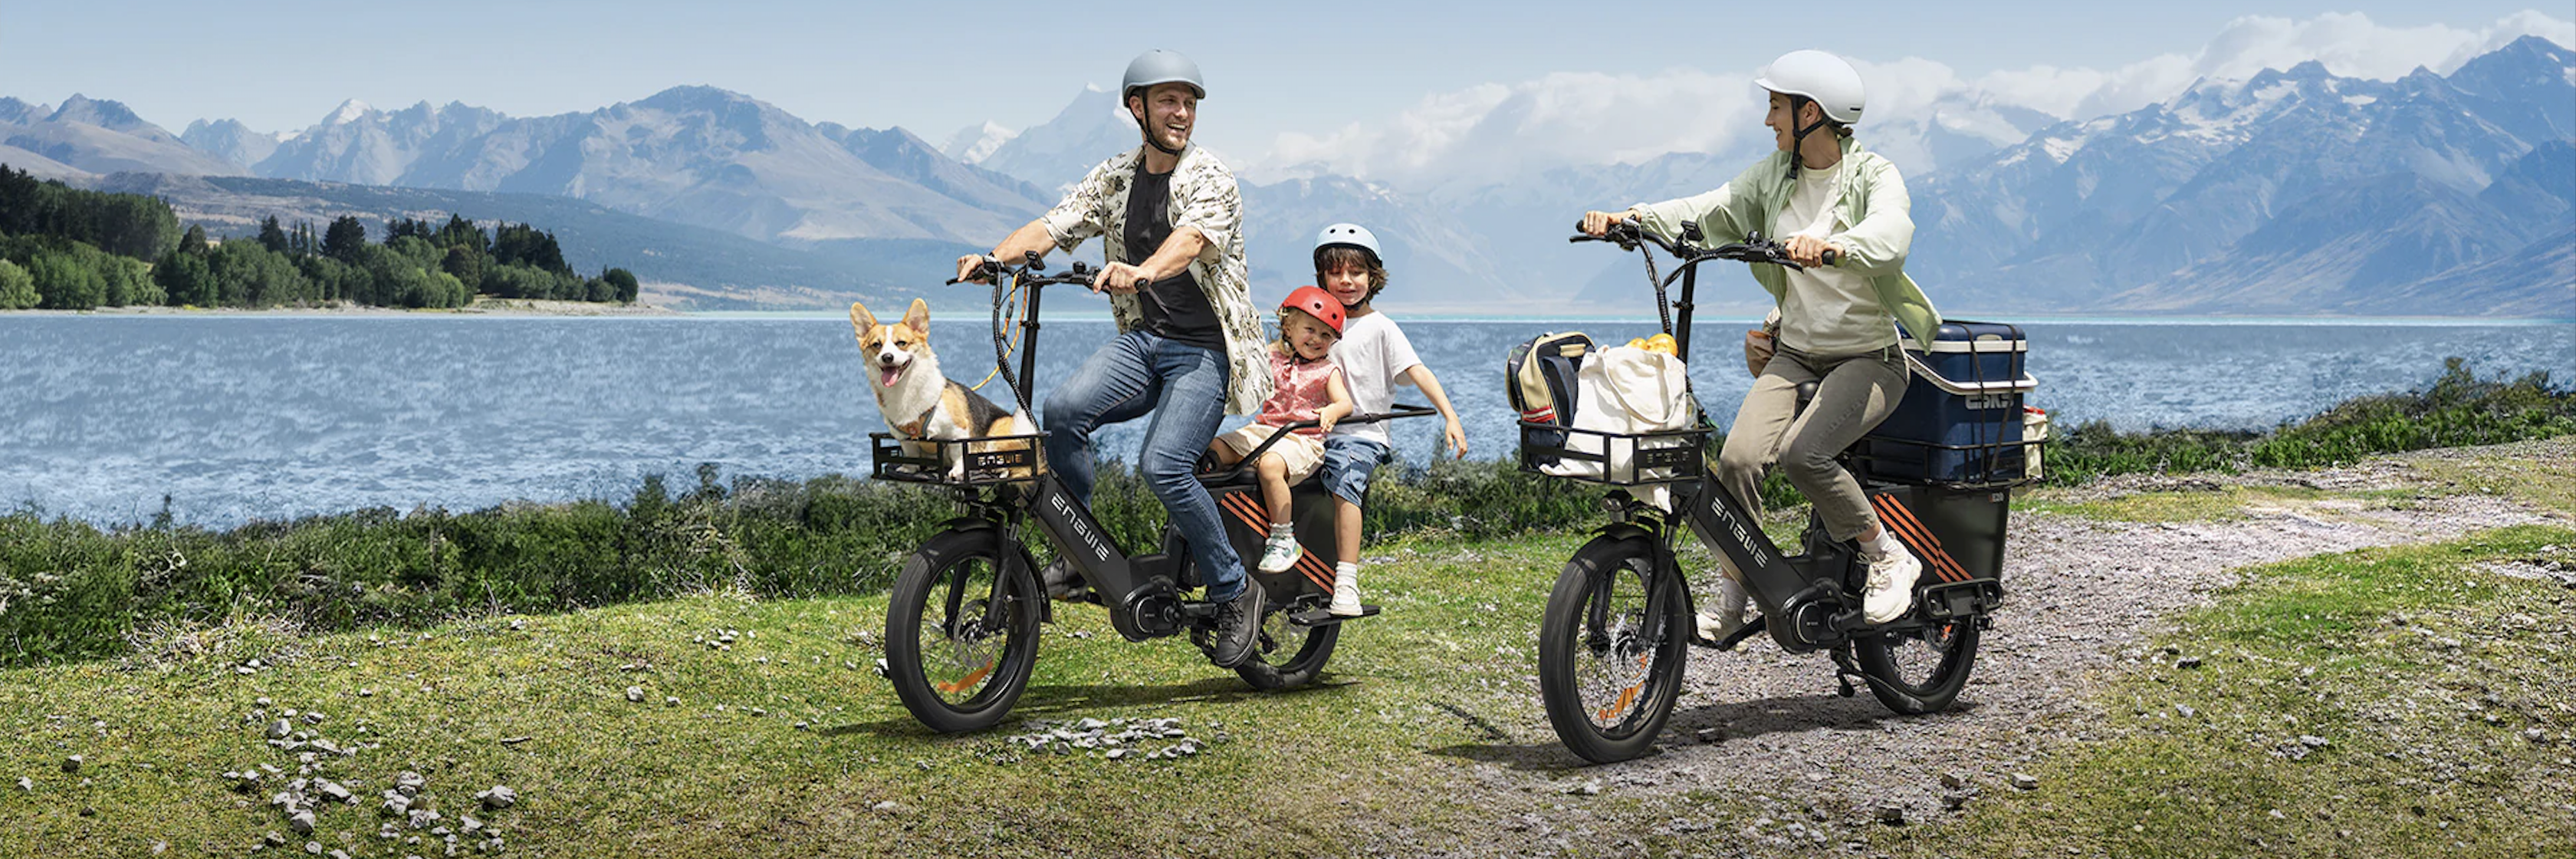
x=1283, y=529
x=1346, y=568
x=1882, y=548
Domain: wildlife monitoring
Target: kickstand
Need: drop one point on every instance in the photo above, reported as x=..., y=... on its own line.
x=1845, y=670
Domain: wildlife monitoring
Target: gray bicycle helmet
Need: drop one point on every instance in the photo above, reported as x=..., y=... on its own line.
x=1352, y=235
x=1159, y=66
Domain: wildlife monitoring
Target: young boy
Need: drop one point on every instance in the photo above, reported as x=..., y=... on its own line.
x=1307, y=387
x=1374, y=356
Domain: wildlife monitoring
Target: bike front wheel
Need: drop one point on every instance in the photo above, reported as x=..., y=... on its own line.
x=1919, y=670
x=1611, y=649
x=962, y=631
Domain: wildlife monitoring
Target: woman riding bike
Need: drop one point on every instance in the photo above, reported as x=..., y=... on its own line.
x=1819, y=193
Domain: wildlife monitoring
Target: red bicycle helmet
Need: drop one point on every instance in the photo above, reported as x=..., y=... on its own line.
x=1315, y=302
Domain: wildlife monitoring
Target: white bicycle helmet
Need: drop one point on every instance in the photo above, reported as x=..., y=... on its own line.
x=1824, y=78
x=1351, y=235
x=1159, y=66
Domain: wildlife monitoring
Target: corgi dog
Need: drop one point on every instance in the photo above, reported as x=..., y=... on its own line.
x=918, y=402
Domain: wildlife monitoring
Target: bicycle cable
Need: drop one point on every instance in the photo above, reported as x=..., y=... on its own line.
x=1663, y=305
x=1006, y=340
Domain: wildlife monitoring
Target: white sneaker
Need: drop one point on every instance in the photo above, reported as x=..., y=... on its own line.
x=1346, y=593
x=1891, y=586
x=1728, y=613
x=1280, y=552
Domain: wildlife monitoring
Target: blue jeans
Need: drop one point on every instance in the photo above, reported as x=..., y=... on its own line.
x=1183, y=386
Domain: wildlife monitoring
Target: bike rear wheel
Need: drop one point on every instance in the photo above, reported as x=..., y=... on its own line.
x=961, y=633
x=1922, y=670
x=1611, y=649
x=1287, y=656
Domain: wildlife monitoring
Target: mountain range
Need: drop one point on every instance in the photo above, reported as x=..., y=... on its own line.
x=2294, y=192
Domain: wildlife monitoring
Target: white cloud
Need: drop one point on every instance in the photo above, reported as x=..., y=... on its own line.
x=1563, y=118
x=1494, y=130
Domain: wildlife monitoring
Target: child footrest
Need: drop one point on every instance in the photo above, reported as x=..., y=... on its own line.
x=1323, y=617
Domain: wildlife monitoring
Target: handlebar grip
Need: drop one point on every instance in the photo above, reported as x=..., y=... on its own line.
x=1833, y=257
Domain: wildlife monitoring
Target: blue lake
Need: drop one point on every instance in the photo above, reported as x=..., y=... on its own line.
x=244, y=417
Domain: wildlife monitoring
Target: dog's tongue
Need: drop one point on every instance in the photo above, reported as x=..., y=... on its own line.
x=891, y=373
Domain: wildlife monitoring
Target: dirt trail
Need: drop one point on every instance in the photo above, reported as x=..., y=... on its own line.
x=1812, y=768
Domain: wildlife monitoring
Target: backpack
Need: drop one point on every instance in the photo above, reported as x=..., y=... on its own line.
x=1539, y=378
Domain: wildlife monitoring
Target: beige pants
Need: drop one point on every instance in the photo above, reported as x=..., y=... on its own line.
x=1855, y=393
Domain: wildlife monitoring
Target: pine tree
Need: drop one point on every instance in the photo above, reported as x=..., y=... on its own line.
x=271, y=236
x=344, y=239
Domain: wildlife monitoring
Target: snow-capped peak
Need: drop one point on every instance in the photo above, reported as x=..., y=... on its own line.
x=349, y=111
x=975, y=143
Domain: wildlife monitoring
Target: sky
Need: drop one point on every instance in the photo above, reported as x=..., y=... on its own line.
x=1287, y=81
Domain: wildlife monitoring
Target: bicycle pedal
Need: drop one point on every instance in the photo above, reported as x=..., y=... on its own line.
x=1325, y=617
x=1748, y=630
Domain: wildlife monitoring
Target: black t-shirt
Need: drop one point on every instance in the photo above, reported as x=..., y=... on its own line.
x=1174, y=307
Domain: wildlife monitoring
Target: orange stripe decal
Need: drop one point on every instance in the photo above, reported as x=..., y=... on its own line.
x=1313, y=568
x=1252, y=516
x=1911, y=530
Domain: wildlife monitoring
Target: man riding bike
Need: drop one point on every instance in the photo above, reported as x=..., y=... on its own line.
x=1189, y=348
x=1818, y=193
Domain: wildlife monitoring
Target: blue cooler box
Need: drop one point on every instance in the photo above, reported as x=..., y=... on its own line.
x=1961, y=420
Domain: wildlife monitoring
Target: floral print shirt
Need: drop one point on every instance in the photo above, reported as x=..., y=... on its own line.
x=1203, y=196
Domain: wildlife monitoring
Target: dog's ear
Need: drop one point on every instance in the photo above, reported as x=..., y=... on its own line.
x=860, y=319
x=919, y=316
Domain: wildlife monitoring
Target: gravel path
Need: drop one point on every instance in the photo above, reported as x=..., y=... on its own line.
x=2083, y=596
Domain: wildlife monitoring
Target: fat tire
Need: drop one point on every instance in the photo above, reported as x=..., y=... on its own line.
x=920, y=591
x=1562, y=642
x=1933, y=692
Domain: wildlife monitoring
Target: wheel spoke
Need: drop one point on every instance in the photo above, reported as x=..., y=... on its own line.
x=1618, y=663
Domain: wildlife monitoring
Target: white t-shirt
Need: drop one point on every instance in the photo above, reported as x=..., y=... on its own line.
x=1827, y=311
x=1373, y=353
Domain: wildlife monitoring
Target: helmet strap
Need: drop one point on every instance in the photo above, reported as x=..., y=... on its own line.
x=1798, y=133
x=1146, y=129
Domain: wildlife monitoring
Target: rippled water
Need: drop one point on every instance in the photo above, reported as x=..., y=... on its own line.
x=243, y=417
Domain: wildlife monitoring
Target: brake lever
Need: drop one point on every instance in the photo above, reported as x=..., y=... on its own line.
x=988, y=269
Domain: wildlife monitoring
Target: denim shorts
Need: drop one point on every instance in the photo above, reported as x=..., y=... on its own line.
x=1348, y=462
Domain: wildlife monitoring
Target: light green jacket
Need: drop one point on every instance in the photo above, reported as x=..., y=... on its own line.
x=1872, y=201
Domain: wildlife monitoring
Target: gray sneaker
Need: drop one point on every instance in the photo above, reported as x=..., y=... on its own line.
x=1238, y=627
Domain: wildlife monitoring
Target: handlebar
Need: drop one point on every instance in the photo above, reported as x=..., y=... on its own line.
x=1081, y=272
x=1399, y=410
x=1755, y=248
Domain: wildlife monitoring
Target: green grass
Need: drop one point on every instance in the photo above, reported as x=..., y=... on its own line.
x=2419, y=669
x=2547, y=482
x=71, y=590
x=600, y=776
